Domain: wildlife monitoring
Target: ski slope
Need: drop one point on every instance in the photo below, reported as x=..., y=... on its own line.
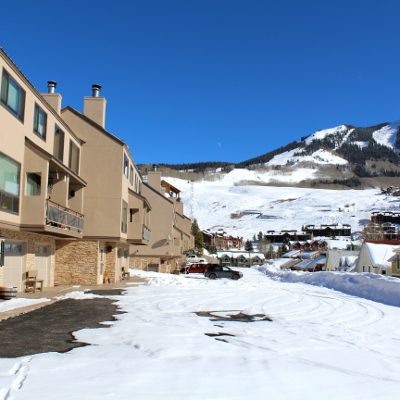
x=320, y=344
x=282, y=207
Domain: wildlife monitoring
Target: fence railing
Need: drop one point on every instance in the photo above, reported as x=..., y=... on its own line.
x=146, y=233
x=62, y=217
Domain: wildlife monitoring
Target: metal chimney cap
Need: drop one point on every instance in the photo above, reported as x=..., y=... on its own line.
x=51, y=86
x=96, y=90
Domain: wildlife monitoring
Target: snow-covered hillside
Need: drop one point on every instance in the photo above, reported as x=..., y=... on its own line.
x=324, y=147
x=213, y=203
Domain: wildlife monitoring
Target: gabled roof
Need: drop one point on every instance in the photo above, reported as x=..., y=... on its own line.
x=94, y=124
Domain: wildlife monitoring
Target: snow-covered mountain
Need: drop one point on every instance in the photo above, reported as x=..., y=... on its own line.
x=344, y=145
x=340, y=156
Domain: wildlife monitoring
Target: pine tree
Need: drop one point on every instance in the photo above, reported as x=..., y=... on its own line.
x=248, y=246
x=198, y=237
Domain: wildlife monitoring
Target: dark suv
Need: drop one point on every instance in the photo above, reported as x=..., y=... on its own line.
x=218, y=271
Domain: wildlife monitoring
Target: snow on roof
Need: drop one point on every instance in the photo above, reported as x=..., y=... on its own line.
x=312, y=263
x=380, y=254
x=291, y=253
x=237, y=254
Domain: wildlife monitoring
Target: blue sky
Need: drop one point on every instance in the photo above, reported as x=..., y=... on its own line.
x=208, y=80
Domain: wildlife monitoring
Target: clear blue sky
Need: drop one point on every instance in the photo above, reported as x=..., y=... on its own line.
x=208, y=80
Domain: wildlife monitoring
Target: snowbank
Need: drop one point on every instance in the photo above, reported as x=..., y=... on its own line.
x=373, y=287
x=8, y=305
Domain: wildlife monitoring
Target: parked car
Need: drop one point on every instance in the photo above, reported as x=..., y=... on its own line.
x=195, y=260
x=219, y=271
x=198, y=268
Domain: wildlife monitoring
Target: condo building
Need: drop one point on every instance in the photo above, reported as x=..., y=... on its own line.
x=41, y=188
x=74, y=208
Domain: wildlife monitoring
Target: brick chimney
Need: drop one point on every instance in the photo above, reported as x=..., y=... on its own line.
x=94, y=106
x=53, y=98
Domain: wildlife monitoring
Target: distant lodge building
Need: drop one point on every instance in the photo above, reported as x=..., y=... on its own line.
x=385, y=231
x=328, y=230
x=240, y=258
x=380, y=217
x=309, y=245
x=307, y=233
x=221, y=241
x=285, y=236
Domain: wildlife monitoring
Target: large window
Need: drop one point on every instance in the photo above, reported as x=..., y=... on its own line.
x=73, y=161
x=40, y=122
x=12, y=96
x=126, y=165
x=58, y=150
x=9, y=184
x=124, y=217
x=33, y=184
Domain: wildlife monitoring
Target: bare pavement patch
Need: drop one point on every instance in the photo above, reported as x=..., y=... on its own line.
x=50, y=328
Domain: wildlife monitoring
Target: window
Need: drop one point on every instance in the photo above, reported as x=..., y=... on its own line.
x=9, y=184
x=40, y=122
x=126, y=165
x=124, y=217
x=33, y=184
x=73, y=161
x=58, y=149
x=131, y=176
x=12, y=96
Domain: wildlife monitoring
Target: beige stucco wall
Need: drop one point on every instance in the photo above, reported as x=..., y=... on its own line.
x=162, y=216
x=13, y=135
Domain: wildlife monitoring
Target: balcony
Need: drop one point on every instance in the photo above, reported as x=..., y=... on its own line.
x=63, y=219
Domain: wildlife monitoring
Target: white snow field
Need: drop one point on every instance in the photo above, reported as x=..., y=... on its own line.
x=320, y=344
x=212, y=203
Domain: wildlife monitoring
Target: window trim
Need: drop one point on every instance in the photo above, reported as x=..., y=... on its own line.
x=36, y=111
x=20, y=114
x=19, y=187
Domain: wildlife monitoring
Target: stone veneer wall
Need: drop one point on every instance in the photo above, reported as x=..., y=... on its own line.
x=30, y=239
x=110, y=266
x=168, y=266
x=76, y=262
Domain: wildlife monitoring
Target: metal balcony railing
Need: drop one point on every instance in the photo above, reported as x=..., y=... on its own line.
x=62, y=217
x=146, y=233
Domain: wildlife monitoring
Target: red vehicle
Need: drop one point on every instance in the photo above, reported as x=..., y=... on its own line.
x=198, y=268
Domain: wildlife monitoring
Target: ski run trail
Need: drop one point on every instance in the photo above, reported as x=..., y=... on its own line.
x=319, y=344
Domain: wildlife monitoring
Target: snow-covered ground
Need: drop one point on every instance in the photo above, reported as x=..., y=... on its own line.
x=320, y=344
x=12, y=304
x=283, y=207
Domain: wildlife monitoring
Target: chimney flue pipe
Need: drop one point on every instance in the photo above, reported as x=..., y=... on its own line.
x=96, y=90
x=51, y=86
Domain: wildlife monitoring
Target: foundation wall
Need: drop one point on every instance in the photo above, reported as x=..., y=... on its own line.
x=76, y=262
